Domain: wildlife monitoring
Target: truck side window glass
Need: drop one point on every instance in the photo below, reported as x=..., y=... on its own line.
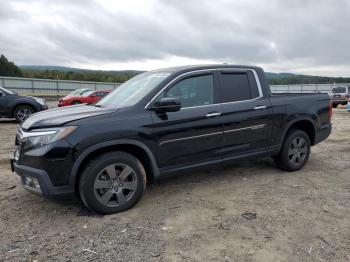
x=193, y=91
x=254, y=90
x=235, y=87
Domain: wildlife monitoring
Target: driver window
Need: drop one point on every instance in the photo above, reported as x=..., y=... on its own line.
x=192, y=91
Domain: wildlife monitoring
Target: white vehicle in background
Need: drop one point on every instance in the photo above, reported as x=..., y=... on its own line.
x=339, y=95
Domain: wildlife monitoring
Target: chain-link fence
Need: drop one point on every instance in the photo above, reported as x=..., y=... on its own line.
x=49, y=87
x=56, y=88
x=307, y=88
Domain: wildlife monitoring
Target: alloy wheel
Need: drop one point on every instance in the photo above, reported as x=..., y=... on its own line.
x=23, y=113
x=297, y=151
x=115, y=185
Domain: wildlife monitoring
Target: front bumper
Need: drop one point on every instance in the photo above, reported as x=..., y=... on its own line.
x=44, y=107
x=45, y=188
x=339, y=101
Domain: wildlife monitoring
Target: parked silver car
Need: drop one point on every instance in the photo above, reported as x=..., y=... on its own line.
x=340, y=95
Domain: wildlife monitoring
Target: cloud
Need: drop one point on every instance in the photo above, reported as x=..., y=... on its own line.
x=302, y=36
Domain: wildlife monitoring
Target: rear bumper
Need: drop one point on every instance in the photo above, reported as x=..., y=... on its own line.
x=47, y=189
x=338, y=101
x=323, y=133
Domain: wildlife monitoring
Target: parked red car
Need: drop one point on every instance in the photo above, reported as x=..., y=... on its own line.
x=89, y=97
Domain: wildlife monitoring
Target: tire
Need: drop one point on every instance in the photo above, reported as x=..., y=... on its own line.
x=76, y=102
x=21, y=113
x=295, y=151
x=112, y=182
x=335, y=105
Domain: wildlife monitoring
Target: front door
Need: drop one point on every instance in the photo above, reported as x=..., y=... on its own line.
x=192, y=135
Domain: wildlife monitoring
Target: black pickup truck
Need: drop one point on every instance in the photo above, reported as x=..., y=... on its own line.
x=163, y=122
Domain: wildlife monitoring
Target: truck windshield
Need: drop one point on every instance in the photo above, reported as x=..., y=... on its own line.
x=132, y=91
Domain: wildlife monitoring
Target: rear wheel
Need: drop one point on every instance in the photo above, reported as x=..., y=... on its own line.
x=295, y=151
x=113, y=182
x=22, y=113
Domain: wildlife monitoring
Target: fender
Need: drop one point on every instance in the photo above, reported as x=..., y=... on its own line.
x=22, y=101
x=298, y=119
x=93, y=148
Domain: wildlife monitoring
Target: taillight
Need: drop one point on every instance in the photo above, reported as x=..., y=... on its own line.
x=330, y=110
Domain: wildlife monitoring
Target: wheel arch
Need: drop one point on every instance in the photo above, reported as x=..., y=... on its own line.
x=76, y=101
x=15, y=106
x=133, y=147
x=304, y=124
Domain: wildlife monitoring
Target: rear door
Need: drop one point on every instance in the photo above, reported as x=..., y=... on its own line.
x=192, y=135
x=245, y=113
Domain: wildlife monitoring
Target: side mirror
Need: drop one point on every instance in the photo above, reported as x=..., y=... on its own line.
x=167, y=104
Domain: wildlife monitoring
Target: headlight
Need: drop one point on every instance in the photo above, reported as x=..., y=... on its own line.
x=40, y=101
x=41, y=137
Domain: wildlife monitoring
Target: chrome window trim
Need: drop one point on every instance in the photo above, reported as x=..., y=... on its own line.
x=211, y=71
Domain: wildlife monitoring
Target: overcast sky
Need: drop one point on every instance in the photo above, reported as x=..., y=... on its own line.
x=301, y=36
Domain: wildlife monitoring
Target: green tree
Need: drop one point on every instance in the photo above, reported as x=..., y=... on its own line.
x=8, y=68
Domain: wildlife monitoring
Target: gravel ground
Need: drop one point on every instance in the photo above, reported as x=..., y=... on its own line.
x=301, y=216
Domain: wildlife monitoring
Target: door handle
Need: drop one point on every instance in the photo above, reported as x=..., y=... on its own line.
x=259, y=107
x=214, y=114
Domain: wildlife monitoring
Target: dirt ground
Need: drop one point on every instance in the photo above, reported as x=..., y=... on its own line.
x=301, y=216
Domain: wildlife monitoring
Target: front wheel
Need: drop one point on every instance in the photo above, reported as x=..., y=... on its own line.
x=295, y=151
x=112, y=182
x=22, y=113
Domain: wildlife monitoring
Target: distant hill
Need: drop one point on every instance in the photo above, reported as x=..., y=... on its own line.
x=279, y=75
x=120, y=76
x=77, y=74
x=73, y=69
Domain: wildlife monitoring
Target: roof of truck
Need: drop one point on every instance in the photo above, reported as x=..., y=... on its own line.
x=209, y=66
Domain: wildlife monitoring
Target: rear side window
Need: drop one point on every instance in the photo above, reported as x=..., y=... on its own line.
x=238, y=87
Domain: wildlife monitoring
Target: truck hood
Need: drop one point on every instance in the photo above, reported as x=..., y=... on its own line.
x=63, y=115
